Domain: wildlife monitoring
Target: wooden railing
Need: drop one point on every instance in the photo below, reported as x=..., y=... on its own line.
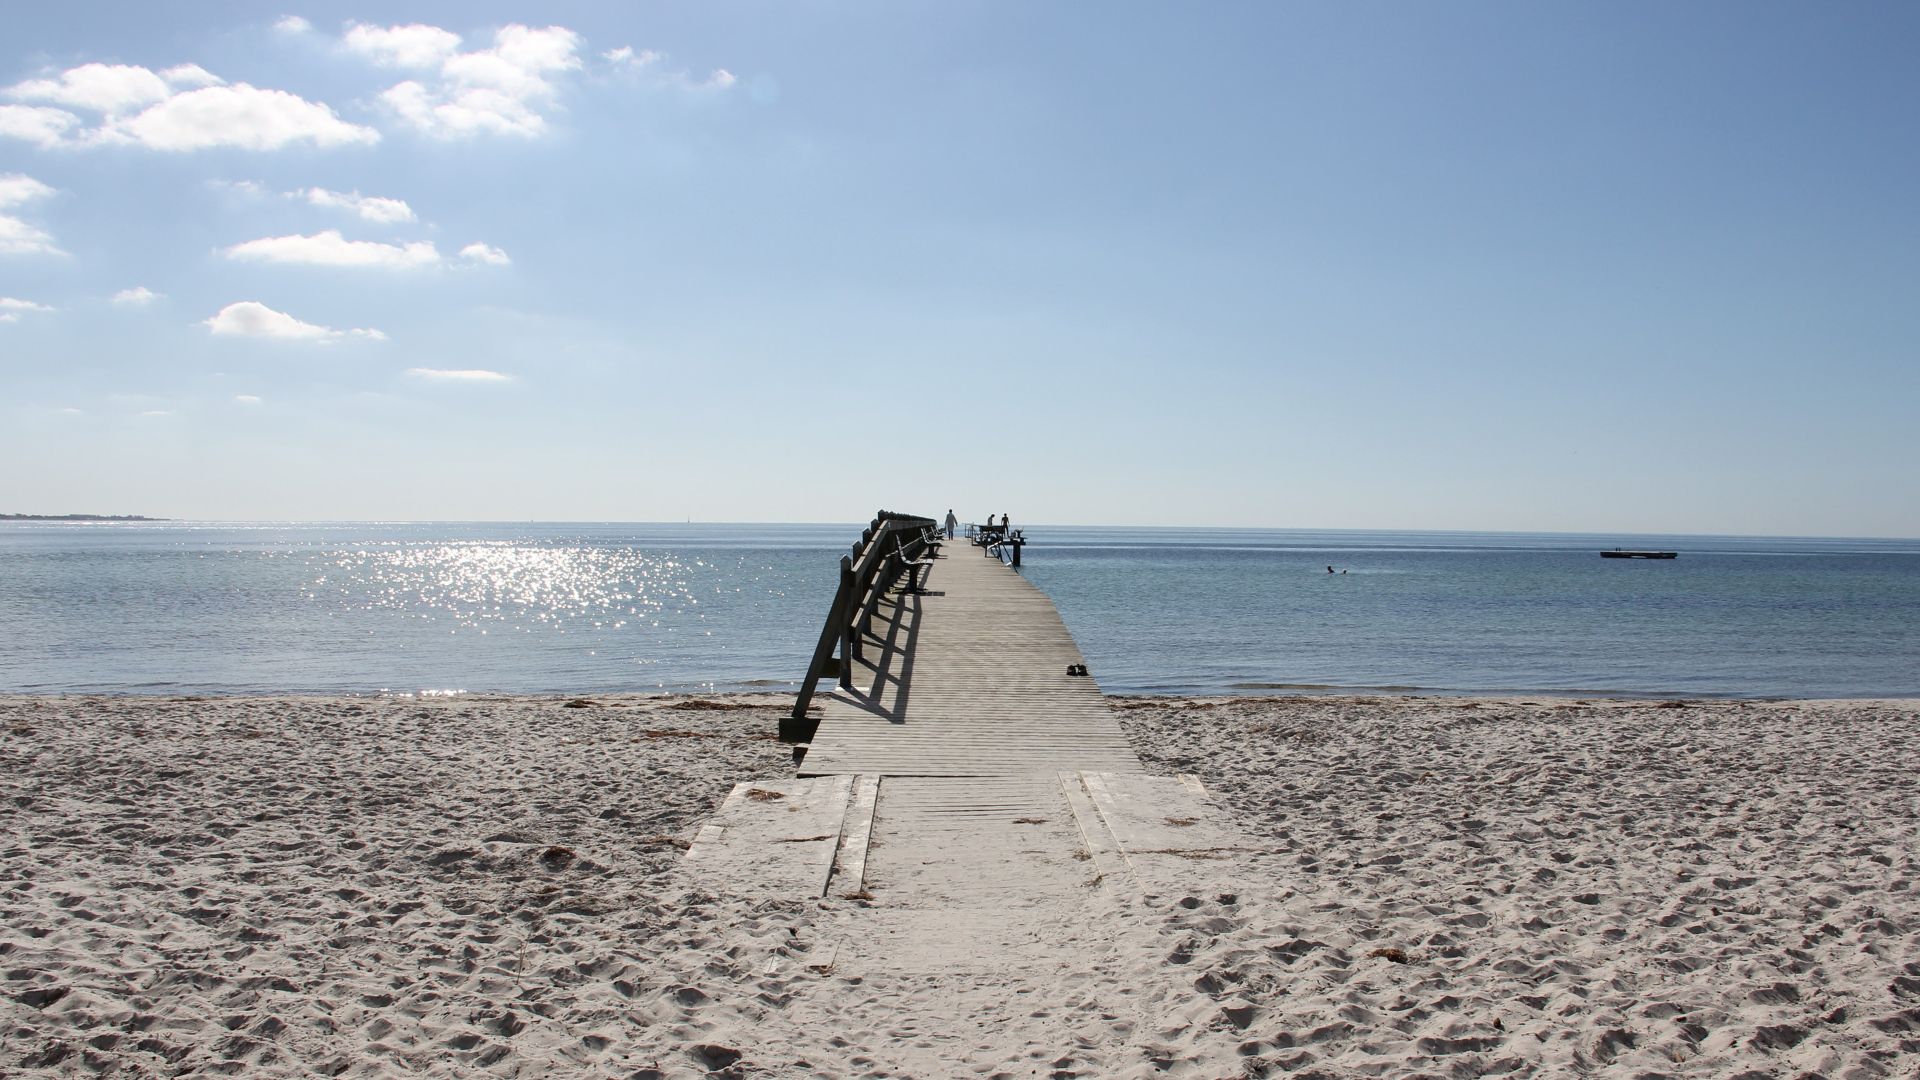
x=888, y=547
x=999, y=541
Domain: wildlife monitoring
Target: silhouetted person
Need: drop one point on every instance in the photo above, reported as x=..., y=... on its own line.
x=952, y=523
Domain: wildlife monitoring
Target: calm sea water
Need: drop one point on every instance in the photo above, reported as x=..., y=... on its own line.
x=576, y=608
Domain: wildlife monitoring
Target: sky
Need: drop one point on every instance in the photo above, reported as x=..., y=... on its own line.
x=1636, y=268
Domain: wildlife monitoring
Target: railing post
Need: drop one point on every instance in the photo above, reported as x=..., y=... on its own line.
x=797, y=727
x=847, y=620
x=849, y=646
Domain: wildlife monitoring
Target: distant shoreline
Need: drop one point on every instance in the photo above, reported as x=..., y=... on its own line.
x=79, y=517
x=782, y=700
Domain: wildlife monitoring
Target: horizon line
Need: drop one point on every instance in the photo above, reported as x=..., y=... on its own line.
x=140, y=519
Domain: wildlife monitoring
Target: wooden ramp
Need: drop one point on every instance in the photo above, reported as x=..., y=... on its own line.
x=967, y=679
x=975, y=849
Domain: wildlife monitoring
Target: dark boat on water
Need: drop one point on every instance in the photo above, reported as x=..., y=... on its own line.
x=1622, y=553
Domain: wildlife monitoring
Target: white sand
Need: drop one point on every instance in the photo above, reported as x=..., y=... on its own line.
x=1729, y=890
x=487, y=886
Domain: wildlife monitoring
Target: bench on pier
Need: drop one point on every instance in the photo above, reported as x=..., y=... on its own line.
x=916, y=566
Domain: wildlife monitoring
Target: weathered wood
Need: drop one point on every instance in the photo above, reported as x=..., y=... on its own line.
x=849, y=617
x=850, y=866
x=1102, y=850
x=967, y=680
x=1168, y=831
x=982, y=791
x=797, y=727
x=773, y=835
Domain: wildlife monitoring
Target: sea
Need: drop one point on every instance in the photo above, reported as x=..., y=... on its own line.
x=392, y=608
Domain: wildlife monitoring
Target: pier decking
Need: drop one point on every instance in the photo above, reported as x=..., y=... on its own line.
x=967, y=813
x=955, y=730
x=968, y=679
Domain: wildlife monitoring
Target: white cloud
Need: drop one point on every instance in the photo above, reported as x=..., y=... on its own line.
x=17, y=190
x=36, y=124
x=625, y=56
x=156, y=412
x=68, y=411
x=500, y=91
x=240, y=116
x=412, y=46
x=246, y=189
x=329, y=248
x=19, y=238
x=459, y=375
x=11, y=309
x=292, y=24
x=191, y=75
x=107, y=88
x=646, y=61
x=469, y=112
x=250, y=318
x=138, y=296
x=246, y=399
x=370, y=207
x=478, y=252
x=16, y=236
x=185, y=107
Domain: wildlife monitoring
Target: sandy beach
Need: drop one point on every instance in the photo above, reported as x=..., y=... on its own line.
x=479, y=885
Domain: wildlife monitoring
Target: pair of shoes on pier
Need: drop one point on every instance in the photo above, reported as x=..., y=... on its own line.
x=1076, y=669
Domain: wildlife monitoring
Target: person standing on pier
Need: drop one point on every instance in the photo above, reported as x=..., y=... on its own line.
x=952, y=523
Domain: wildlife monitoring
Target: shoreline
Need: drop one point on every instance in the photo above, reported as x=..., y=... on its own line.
x=1273, y=692
x=488, y=884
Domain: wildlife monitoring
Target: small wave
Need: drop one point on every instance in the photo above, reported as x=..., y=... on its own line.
x=1329, y=686
x=1471, y=691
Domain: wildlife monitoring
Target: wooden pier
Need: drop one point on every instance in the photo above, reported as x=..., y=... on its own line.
x=957, y=691
x=967, y=678
x=963, y=806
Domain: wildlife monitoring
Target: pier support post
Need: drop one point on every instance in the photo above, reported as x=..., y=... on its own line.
x=847, y=621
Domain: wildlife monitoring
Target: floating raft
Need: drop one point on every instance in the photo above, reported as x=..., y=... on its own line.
x=1622, y=553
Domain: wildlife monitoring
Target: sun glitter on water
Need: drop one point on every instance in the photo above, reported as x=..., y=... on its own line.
x=511, y=585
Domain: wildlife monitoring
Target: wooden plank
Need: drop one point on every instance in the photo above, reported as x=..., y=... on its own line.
x=850, y=862
x=970, y=679
x=772, y=838
x=1171, y=836
x=1108, y=864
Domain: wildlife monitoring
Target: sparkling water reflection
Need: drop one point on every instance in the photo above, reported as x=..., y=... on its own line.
x=513, y=585
x=367, y=607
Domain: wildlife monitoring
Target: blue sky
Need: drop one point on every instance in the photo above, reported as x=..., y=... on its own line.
x=1636, y=268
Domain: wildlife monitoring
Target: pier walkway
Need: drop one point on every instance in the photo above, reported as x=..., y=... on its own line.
x=968, y=679
x=970, y=820
x=955, y=734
